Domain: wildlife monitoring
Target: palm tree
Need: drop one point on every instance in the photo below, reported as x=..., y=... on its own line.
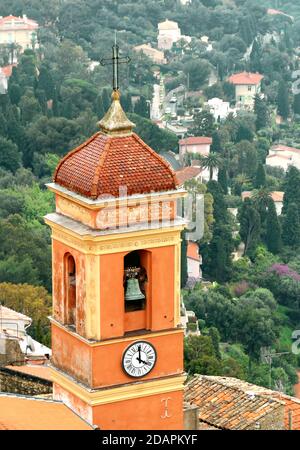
x=261, y=197
x=211, y=161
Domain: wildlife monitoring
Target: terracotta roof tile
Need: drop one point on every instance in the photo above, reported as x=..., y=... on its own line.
x=228, y=403
x=196, y=140
x=104, y=163
x=186, y=174
x=245, y=78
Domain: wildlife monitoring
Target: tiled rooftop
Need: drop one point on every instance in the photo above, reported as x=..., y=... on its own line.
x=104, y=163
x=229, y=403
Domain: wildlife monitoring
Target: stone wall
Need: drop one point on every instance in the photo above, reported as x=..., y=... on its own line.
x=18, y=383
x=10, y=351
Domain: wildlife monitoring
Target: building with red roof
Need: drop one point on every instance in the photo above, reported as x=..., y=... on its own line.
x=247, y=86
x=194, y=144
x=20, y=31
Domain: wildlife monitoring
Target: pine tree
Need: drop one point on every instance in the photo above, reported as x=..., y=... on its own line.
x=260, y=179
x=273, y=230
x=291, y=226
x=223, y=179
x=283, y=100
x=261, y=111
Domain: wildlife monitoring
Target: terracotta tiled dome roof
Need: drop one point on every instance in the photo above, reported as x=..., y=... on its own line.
x=105, y=162
x=114, y=158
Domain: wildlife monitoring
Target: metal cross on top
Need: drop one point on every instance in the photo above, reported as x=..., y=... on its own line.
x=115, y=61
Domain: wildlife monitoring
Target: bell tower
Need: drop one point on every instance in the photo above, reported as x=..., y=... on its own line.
x=117, y=344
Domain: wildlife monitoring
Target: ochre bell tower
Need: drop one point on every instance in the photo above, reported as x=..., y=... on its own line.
x=117, y=343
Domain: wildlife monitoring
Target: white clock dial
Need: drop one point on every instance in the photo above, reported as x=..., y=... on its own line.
x=139, y=359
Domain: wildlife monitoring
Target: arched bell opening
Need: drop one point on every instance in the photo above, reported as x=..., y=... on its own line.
x=70, y=294
x=137, y=268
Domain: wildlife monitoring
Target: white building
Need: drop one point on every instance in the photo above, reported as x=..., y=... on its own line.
x=13, y=326
x=219, y=109
x=168, y=33
x=283, y=156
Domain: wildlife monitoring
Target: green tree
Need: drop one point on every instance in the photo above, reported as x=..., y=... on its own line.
x=141, y=107
x=261, y=111
x=10, y=157
x=204, y=124
x=291, y=226
x=291, y=189
x=250, y=227
x=273, y=230
x=283, y=100
x=199, y=356
x=211, y=162
x=223, y=179
x=260, y=178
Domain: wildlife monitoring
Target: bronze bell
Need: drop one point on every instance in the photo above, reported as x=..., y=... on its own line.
x=133, y=291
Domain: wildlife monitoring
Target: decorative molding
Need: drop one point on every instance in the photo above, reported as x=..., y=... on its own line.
x=132, y=338
x=130, y=391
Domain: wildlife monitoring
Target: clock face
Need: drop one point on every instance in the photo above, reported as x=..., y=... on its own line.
x=139, y=359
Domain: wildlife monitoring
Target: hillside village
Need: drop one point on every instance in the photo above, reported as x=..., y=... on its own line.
x=218, y=103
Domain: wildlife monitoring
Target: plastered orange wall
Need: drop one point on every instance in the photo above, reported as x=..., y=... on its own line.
x=99, y=366
x=59, y=251
x=141, y=413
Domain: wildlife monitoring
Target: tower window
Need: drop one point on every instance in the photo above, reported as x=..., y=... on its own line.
x=70, y=306
x=135, y=277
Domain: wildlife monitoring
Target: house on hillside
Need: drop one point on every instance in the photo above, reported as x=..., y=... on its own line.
x=283, y=156
x=194, y=262
x=168, y=34
x=196, y=144
x=20, y=31
x=247, y=86
x=5, y=73
x=157, y=56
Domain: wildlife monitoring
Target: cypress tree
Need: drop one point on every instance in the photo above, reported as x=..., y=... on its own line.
x=291, y=189
x=105, y=100
x=273, y=231
x=291, y=226
x=223, y=179
x=296, y=104
x=250, y=227
x=216, y=146
x=261, y=111
x=255, y=57
x=283, y=100
x=260, y=178
x=46, y=83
